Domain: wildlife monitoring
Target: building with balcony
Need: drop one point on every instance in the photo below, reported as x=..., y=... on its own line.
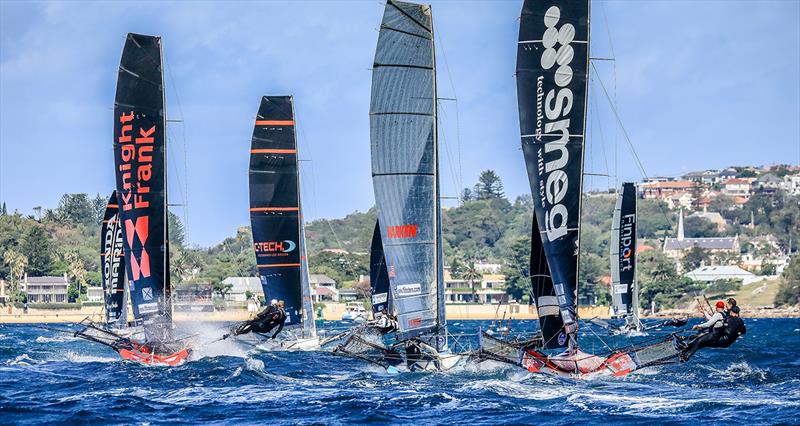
x=45, y=289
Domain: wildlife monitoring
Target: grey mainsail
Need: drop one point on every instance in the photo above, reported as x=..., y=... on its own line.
x=623, y=255
x=404, y=166
x=552, y=70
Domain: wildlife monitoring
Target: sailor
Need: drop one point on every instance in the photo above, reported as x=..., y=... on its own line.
x=722, y=337
x=713, y=321
x=278, y=321
x=260, y=322
x=383, y=322
x=729, y=304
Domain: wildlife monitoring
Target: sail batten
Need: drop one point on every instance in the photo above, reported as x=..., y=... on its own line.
x=275, y=211
x=404, y=166
x=552, y=70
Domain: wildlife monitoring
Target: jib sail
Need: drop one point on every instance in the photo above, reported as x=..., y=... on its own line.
x=378, y=274
x=552, y=61
x=275, y=206
x=139, y=154
x=623, y=253
x=112, y=264
x=404, y=165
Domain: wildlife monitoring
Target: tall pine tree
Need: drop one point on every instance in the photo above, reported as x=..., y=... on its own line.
x=37, y=248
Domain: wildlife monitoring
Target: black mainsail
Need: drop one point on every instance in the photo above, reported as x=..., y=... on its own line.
x=275, y=213
x=112, y=265
x=405, y=166
x=623, y=255
x=140, y=158
x=552, y=70
x=378, y=274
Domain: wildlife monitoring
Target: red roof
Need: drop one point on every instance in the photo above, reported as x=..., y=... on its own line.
x=737, y=181
x=643, y=248
x=678, y=184
x=324, y=291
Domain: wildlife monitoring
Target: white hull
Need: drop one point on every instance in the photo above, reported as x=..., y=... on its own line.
x=299, y=344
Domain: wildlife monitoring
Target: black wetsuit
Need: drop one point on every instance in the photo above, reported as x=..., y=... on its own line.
x=277, y=320
x=262, y=323
x=721, y=337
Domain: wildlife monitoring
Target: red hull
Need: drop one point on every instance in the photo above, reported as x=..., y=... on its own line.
x=152, y=359
x=617, y=365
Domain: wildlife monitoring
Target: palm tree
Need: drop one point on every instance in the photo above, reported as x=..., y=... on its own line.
x=17, y=262
x=471, y=274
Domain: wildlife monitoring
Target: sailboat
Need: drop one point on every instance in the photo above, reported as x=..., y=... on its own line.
x=141, y=168
x=552, y=71
x=277, y=221
x=406, y=257
x=624, y=285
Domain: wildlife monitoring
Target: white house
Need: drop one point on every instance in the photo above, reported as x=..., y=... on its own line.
x=709, y=274
x=241, y=286
x=94, y=294
x=45, y=289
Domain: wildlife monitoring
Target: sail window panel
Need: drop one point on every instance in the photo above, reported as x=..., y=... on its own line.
x=273, y=163
x=408, y=17
x=402, y=144
x=412, y=277
x=397, y=48
x=269, y=191
x=406, y=204
x=273, y=137
x=532, y=18
x=402, y=90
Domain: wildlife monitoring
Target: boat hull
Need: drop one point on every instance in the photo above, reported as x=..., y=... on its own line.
x=170, y=360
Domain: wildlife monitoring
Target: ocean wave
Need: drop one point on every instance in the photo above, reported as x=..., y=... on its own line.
x=74, y=357
x=59, y=339
x=21, y=360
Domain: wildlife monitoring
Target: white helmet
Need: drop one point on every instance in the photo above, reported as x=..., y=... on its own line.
x=273, y=302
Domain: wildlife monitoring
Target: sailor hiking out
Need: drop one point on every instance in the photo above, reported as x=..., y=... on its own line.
x=265, y=321
x=383, y=322
x=720, y=331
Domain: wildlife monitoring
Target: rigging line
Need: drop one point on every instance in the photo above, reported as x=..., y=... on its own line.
x=450, y=164
x=438, y=35
x=614, y=70
x=304, y=139
x=185, y=193
x=602, y=136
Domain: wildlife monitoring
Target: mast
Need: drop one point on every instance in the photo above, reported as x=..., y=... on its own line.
x=552, y=71
x=440, y=302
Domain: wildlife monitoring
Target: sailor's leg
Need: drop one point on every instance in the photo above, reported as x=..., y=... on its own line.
x=699, y=342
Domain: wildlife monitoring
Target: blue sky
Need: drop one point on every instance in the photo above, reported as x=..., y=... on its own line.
x=698, y=85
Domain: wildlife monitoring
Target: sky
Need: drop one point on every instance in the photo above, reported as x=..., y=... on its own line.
x=697, y=85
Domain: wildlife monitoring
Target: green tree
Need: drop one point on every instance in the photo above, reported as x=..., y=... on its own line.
x=37, y=248
x=177, y=232
x=76, y=209
x=473, y=276
x=693, y=258
x=697, y=227
x=16, y=263
x=789, y=290
x=517, y=267
x=99, y=204
x=489, y=186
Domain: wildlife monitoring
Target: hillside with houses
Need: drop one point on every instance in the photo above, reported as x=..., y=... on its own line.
x=712, y=232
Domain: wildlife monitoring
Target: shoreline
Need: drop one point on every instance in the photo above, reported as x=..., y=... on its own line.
x=333, y=312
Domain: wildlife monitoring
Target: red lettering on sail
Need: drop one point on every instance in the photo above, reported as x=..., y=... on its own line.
x=402, y=231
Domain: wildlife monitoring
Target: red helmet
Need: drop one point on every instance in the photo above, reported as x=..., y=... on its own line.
x=720, y=304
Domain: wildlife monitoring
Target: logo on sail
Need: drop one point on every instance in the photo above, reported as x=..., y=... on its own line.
x=409, y=289
x=557, y=105
x=626, y=242
x=401, y=231
x=285, y=246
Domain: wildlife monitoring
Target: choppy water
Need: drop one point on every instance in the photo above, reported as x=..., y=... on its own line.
x=47, y=378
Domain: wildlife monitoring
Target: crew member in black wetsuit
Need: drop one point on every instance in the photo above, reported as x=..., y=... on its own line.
x=721, y=337
x=260, y=322
x=277, y=321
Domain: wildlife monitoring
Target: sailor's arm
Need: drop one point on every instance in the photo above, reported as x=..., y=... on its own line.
x=280, y=327
x=713, y=320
